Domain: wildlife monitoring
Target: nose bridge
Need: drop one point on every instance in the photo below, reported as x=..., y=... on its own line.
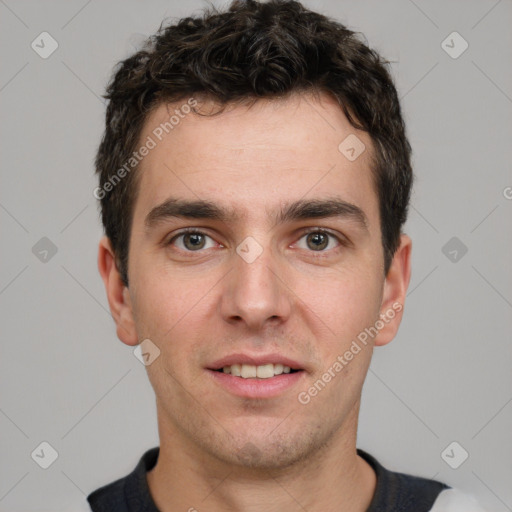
x=254, y=291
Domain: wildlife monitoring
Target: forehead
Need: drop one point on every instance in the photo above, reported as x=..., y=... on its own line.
x=254, y=158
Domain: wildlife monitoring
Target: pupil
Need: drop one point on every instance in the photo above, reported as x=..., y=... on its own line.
x=195, y=239
x=318, y=237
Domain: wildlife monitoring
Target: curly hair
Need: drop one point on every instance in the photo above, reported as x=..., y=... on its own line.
x=250, y=51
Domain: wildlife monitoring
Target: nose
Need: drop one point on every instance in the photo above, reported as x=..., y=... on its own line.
x=256, y=293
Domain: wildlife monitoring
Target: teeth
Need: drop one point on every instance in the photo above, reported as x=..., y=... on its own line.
x=250, y=371
x=265, y=371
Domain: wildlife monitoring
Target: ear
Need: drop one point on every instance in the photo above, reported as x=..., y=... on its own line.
x=394, y=292
x=117, y=293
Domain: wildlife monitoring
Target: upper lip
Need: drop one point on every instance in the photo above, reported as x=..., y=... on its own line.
x=256, y=360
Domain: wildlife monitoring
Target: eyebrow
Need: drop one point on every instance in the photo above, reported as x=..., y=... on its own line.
x=298, y=210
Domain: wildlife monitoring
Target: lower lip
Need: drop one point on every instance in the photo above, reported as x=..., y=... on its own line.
x=256, y=388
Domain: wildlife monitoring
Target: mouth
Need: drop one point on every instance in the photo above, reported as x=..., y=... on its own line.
x=256, y=377
x=251, y=371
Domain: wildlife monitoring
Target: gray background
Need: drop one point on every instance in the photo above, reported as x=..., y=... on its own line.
x=67, y=380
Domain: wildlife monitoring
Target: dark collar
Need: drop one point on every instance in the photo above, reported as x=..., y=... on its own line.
x=395, y=492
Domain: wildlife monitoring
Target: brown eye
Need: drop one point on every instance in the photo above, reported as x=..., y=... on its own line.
x=317, y=241
x=191, y=241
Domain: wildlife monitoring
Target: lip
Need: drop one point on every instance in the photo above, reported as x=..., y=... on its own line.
x=256, y=360
x=256, y=388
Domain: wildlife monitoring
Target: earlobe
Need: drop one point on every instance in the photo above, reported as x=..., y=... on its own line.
x=394, y=292
x=118, y=294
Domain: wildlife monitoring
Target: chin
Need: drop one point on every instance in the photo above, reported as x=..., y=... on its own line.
x=275, y=452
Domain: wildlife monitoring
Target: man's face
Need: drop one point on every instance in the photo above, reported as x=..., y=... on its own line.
x=254, y=287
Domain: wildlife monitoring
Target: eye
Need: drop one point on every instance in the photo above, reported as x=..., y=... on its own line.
x=318, y=240
x=192, y=240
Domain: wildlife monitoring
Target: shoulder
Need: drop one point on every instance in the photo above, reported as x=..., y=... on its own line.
x=400, y=492
x=454, y=500
x=109, y=497
x=128, y=493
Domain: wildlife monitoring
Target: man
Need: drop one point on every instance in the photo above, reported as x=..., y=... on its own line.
x=254, y=179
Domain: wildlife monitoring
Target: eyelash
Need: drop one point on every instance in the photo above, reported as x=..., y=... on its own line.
x=195, y=231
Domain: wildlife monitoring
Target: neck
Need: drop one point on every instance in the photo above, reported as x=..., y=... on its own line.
x=334, y=479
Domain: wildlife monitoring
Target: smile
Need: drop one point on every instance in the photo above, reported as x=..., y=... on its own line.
x=250, y=371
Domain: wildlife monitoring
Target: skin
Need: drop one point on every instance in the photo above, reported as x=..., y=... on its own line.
x=219, y=451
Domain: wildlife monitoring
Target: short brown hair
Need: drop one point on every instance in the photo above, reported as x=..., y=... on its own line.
x=254, y=50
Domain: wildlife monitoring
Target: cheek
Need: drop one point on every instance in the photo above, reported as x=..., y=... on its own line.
x=163, y=304
x=172, y=313
x=344, y=303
